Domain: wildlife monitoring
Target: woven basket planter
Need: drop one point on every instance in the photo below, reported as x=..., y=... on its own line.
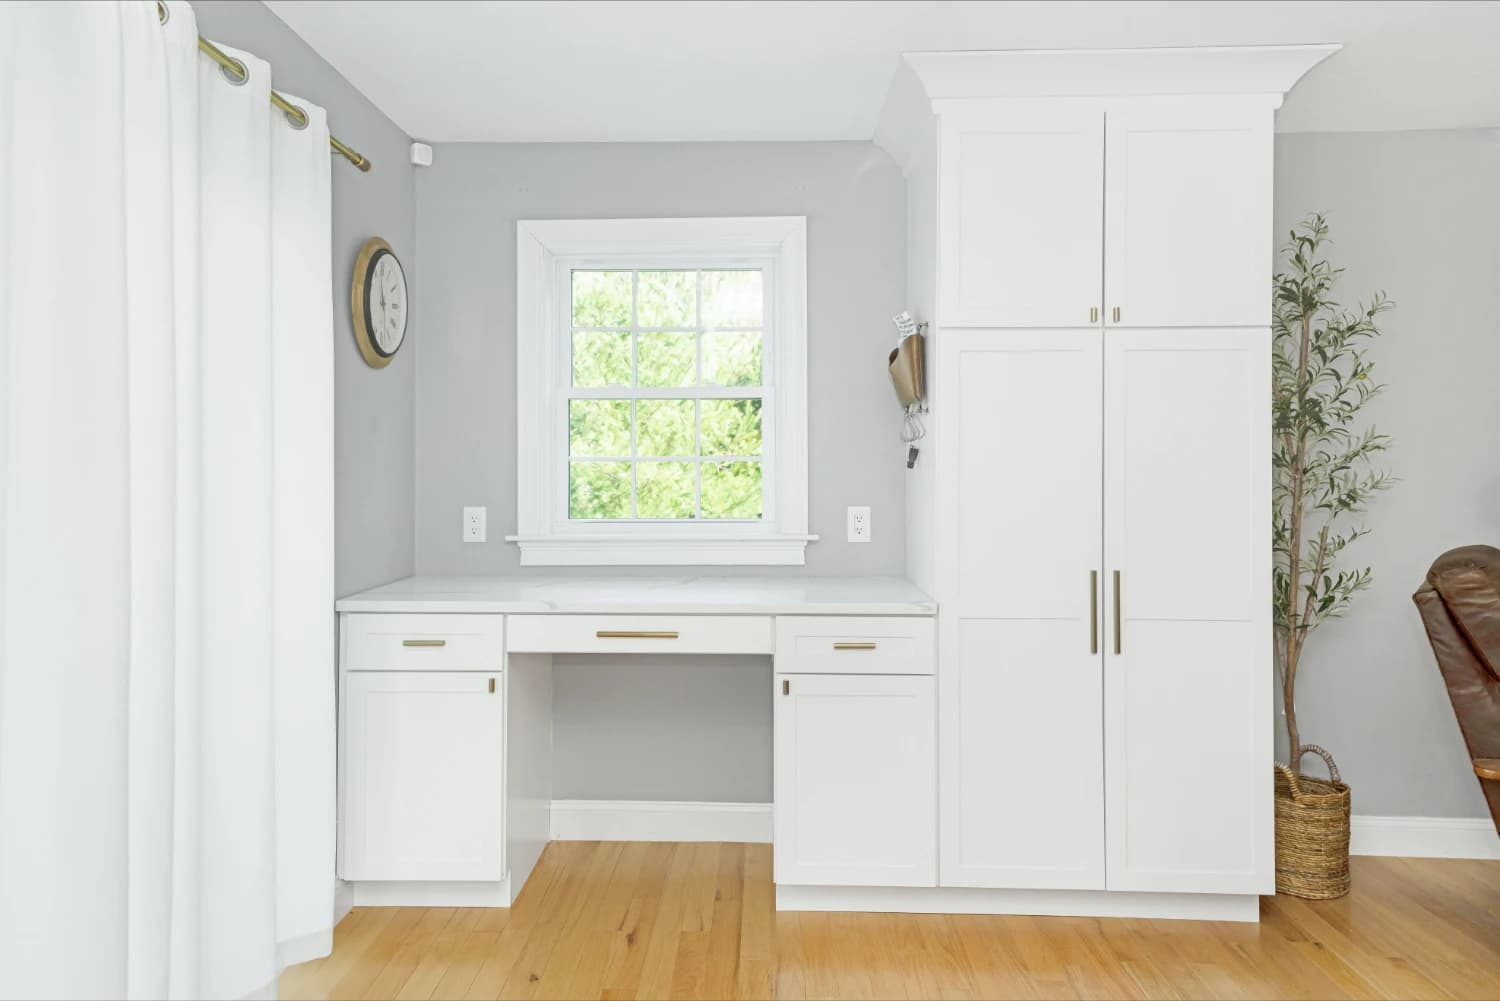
x=1312, y=832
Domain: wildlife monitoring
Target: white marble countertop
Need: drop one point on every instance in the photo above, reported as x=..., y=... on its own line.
x=705, y=595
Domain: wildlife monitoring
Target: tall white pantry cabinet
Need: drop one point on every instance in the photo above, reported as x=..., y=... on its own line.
x=1090, y=237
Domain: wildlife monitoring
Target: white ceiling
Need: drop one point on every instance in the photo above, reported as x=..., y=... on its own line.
x=657, y=70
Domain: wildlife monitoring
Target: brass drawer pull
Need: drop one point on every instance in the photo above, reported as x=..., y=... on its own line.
x=1117, y=611
x=854, y=646
x=424, y=642
x=636, y=634
x=1093, y=611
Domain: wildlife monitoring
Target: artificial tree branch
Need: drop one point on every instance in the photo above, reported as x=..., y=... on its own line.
x=1321, y=382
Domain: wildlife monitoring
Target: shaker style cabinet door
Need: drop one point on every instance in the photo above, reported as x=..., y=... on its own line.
x=855, y=775
x=1189, y=682
x=1021, y=231
x=1187, y=209
x=424, y=760
x=1018, y=640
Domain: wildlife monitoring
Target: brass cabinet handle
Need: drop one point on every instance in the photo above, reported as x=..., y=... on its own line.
x=1117, y=611
x=1093, y=611
x=424, y=642
x=1117, y=314
x=854, y=646
x=1093, y=314
x=492, y=686
x=636, y=634
x=786, y=686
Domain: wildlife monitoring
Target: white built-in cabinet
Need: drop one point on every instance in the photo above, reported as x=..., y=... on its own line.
x=423, y=776
x=856, y=778
x=1187, y=685
x=1067, y=213
x=1022, y=226
x=1021, y=679
x=1098, y=483
x=1187, y=212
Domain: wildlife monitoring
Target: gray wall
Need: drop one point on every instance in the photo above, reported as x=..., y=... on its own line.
x=673, y=728
x=373, y=430
x=468, y=203
x=1417, y=214
x=678, y=728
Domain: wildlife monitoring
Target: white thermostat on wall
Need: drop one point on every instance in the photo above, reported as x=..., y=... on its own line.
x=421, y=154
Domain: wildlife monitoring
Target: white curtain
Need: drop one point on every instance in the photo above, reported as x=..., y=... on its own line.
x=167, y=785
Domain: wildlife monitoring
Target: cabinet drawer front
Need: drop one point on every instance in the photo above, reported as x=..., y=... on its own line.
x=640, y=633
x=854, y=645
x=417, y=642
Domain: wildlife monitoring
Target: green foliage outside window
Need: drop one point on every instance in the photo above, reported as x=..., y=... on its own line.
x=660, y=458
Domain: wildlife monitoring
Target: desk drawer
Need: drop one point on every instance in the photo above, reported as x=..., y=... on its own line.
x=421, y=642
x=640, y=633
x=855, y=645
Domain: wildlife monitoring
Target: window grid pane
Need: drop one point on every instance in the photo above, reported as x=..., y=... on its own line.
x=734, y=426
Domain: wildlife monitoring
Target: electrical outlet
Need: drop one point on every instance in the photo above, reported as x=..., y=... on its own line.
x=859, y=524
x=474, y=524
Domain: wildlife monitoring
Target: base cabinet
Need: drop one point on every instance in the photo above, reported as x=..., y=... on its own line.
x=855, y=776
x=423, y=768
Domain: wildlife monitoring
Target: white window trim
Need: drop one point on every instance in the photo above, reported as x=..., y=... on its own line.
x=544, y=534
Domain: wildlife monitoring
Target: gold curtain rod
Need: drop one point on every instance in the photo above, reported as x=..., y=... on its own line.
x=296, y=115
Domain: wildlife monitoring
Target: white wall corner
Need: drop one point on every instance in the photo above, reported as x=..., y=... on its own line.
x=1424, y=837
x=906, y=121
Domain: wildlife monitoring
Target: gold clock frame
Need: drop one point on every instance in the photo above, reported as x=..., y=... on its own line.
x=369, y=253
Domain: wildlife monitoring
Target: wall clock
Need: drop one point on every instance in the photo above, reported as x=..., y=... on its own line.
x=377, y=300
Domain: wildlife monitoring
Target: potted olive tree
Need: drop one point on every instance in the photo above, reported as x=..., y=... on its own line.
x=1323, y=477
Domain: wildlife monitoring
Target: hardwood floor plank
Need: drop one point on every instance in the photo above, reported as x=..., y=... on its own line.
x=661, y=946
x=757, y=945
x=517, y=929
x=412, y=950
x=535, y=976
x=622, y=922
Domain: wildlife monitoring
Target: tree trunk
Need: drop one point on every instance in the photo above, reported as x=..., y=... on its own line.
x=1294, y=557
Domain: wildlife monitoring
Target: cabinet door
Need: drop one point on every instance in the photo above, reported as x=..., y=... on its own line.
x=424, y=760
x=1188, y=214
x=855, y=797
x=1022, y=226
x=1019, y=672
x=1187, y=486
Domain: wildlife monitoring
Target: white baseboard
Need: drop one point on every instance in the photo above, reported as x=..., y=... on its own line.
x=638, y=820
x=1073, y=903
x=343, y=899
x=417, y=893
x=1424, y=837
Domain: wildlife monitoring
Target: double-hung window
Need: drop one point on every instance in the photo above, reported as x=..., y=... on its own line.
x=661, y=392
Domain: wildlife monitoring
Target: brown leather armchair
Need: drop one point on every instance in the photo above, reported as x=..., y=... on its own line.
x=1460, y=606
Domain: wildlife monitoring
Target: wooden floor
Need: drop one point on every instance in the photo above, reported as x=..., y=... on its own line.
x=637, y=920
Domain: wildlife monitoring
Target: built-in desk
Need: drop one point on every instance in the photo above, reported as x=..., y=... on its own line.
x=686, y=595
x=445, y=694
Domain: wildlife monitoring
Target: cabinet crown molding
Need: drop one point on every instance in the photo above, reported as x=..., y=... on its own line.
x=925, y=78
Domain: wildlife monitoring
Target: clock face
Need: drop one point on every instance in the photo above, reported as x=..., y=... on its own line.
x=385, y=303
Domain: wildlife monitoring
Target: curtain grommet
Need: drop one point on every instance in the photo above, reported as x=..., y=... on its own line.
x=292, y=119
x=240, y=68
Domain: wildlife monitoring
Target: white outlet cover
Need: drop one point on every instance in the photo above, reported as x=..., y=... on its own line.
x=859, y=524
x=474, y=526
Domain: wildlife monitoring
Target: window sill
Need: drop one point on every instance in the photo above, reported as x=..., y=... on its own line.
x=617, y=551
